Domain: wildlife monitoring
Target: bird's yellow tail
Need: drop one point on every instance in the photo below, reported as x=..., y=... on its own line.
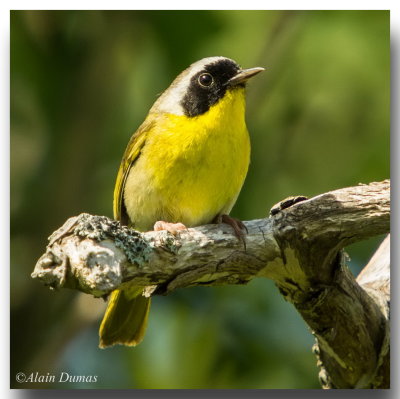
x=125, y=319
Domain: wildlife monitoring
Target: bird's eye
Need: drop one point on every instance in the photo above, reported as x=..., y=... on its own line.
x=205, y=80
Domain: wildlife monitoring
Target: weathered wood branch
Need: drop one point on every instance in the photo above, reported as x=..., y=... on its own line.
x=300, y=249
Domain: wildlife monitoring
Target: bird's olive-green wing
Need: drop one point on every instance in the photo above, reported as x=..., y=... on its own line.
x=131, y=154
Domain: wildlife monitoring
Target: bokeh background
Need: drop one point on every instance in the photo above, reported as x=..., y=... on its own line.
x=83, y=81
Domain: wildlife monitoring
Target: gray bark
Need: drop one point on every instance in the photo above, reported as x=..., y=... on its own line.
x=300, y=249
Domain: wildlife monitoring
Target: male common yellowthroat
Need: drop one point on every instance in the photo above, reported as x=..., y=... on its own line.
x=184, y=166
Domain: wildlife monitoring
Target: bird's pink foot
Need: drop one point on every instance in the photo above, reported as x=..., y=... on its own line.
x=172, y=228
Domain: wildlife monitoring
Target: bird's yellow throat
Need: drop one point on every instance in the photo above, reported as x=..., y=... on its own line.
x=197, y=165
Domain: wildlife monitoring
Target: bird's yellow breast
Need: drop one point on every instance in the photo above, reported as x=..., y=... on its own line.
x=191, y=168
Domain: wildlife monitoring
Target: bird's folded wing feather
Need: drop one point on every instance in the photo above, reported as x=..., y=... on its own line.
x=131, y=154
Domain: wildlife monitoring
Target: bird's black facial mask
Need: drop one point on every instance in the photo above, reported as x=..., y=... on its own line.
x=208, y=86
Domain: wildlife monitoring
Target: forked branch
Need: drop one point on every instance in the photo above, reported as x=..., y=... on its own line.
x=300, y=248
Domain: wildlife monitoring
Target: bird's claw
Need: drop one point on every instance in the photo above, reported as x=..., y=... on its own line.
x=239, y=228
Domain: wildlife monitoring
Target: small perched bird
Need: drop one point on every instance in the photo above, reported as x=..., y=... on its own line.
x=183, y=167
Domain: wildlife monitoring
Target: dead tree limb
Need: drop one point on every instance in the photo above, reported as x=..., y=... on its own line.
x=300, y=249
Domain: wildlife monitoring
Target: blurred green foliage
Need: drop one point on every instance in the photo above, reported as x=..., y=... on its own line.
x=83, y=81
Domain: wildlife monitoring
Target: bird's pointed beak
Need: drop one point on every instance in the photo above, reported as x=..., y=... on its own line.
x=243, y=75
